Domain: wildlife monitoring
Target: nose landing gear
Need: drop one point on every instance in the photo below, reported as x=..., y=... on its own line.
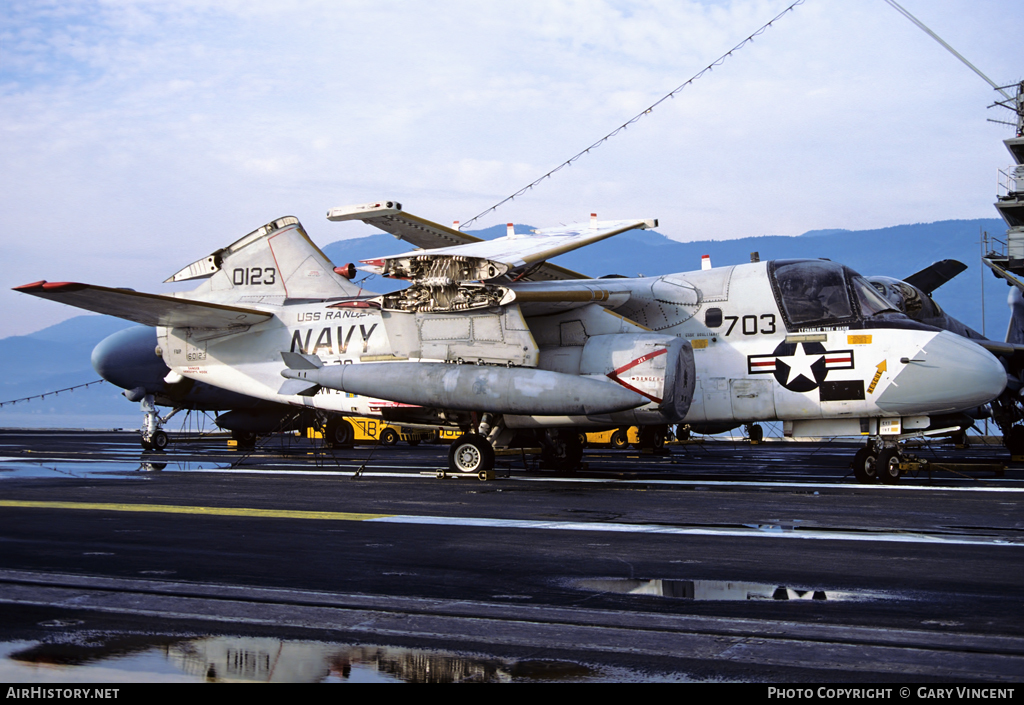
x=865, y=465
x=876, y=462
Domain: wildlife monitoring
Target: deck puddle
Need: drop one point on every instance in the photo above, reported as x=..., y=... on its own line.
x=128, y=658
x=709, y=590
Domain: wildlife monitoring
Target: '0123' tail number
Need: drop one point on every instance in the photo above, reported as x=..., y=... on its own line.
x=254, y=276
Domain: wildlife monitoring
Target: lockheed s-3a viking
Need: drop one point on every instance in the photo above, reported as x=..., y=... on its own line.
x=492, y=338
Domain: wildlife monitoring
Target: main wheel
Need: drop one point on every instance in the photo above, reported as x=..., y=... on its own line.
x=755, y=432
x=160, y=441
x=865, y=466
x=339, y=434
x=389, y=437
x=889, y=465
x=682, y=432
x=651, y=437
x=244, y=439
x=620, y=439
x=561, y=450
x=470, y=453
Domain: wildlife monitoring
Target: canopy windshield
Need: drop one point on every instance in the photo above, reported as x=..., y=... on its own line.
x=819, y=292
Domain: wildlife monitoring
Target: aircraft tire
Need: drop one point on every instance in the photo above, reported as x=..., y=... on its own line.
x=1014, y=440
x=339, y=434
x=620, y=439
x=160, y=441
x=389, y=437
x=889, y=466
x=244, y=439
x=682, y=432
x=865, y=466
x=470, y=453
x=561, y=450
x=650, y=437
x=756, y=433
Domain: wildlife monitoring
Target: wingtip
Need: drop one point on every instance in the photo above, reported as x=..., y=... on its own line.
x=29, y=287
x=43, y=285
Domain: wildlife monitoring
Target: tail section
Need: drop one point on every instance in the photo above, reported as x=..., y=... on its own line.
x=276, y=260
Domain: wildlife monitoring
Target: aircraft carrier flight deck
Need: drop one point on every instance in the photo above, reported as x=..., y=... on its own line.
x=714, y=560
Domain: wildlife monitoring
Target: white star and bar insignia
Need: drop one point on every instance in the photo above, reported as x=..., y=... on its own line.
x=800, y=367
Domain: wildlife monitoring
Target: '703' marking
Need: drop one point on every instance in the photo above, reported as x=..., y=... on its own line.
x=749, y=325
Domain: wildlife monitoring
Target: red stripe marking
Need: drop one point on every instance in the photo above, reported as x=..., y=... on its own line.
x=614, y=376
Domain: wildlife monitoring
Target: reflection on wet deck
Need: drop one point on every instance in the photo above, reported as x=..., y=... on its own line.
x=722, y=590
x=136, y=658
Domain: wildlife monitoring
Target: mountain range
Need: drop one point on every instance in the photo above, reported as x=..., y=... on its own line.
x=57, y=357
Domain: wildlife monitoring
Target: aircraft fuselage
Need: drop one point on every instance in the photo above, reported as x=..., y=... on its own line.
x=783, y=341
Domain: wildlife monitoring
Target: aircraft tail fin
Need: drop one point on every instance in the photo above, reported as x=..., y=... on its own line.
x=275, y=260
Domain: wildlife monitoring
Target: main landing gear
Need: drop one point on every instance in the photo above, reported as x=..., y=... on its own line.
x=471, y=453
x=153, y=435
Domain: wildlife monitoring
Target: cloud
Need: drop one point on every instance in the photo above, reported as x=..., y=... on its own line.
x=139, y=136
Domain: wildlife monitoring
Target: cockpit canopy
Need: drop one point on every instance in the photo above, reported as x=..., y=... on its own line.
x=823, y=293
x=907, y=298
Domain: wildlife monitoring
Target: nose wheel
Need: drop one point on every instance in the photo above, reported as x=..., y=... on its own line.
x=889, y=465
x=865, y=466
x=871, y=466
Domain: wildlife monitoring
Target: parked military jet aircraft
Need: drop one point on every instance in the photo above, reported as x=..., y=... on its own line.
x=492, y=338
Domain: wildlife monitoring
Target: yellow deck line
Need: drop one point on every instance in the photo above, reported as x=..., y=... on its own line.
x=210, y=511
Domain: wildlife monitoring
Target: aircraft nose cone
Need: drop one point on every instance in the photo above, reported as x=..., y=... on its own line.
x=128, y=359
x=948, y=374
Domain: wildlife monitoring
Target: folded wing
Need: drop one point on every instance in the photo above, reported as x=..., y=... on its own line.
x=528, y=252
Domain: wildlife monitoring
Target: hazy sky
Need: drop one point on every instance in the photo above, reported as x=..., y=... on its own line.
x=139, y=136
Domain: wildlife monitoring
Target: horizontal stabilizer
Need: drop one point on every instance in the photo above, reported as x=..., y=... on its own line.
x=935, y=275
x=147, y=309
